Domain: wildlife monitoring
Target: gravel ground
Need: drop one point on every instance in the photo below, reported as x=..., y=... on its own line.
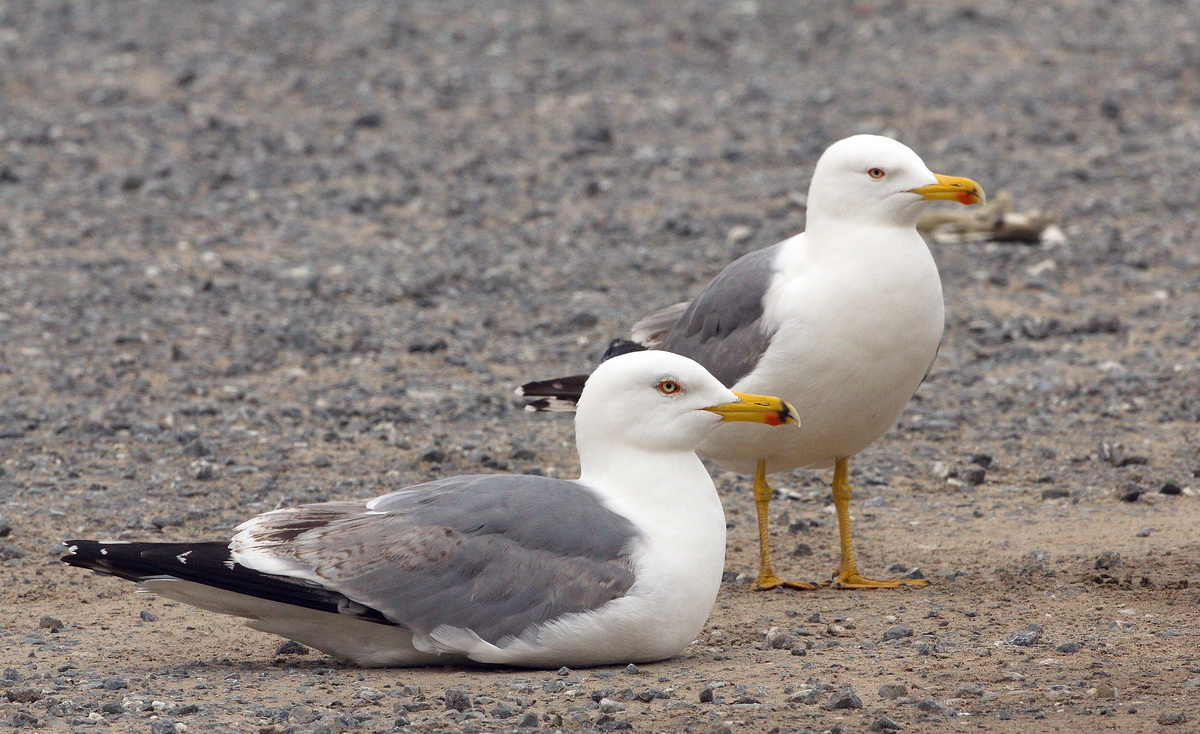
x=256, y=253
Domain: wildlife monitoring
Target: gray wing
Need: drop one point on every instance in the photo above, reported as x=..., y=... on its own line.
x=722, y=328
x=496, y=554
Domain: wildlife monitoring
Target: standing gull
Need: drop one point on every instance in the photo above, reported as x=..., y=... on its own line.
x=843, y=320
x=621, y=565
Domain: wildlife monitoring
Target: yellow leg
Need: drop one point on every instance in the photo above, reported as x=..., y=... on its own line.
x=762, y=500
x=847, y=576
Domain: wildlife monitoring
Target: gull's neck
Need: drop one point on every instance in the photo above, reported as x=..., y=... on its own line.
x=828, y=239
x=627, y=473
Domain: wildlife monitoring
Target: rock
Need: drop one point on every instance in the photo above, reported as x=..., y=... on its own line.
x=528, y=721
x=897, y=632
x=147, y=616
x=1055, y=493
x=1026, y=638
x=807, y=696
x=885, y=723
x=779, y=638
x=50, y=623
x=930, y=705
x=892, y=691
x=163, y=726
x=114, y=684
x=632, y=669
x=5, y=527
x=609, y=706
x=23, y=695
x=564, y=671
x=974, y=476
x=457, y=699
x=302, y=714
x=706, y=694
x=1108, y=559
x=1172, y=718
x=844, y=698
x=1103, y=692
x=1068, y=648
x=554, y=686
x=291, y=647
x=801, y=550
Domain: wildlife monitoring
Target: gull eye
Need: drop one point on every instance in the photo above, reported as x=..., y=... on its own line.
x=876, y=173
x=669, y=387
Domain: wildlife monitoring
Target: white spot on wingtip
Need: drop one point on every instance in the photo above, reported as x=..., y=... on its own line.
x=72, y=549
x=182, y=557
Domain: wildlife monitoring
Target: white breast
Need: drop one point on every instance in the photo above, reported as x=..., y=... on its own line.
x=856, y=331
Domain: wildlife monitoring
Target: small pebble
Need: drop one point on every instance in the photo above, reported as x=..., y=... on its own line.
x=609, y=706
x=163, y=726
x=1024, y=639
x=114, y=683
x=50, y=623
x=706, y=695
x=528, y=721
x=885, y=723
x=1068, y=648
x=148, y=616
x=1108, y=559
x=1103, y=692
x=844, y=698
x=564, y=670
x=457, y=699
x=930, y=705
x=291, y=647
x=631, y=669
x=892, y=691
x=897, y=632
x=1172, y=718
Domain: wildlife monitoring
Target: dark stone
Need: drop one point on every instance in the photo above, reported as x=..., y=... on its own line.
x=897, y=632
x=892, y=691
x=1172, y=718
x=1026, y=638
x=148, y=616
x=1170, y=488
x=457, y=699
x=844, y=698
x=885, y=723
x=23, y=695
x=706, y=695
x=291, y=647
x=1068, y=648
x=1108, y=559
x=1055, y=493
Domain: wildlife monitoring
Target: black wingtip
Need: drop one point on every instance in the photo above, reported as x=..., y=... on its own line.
x=617, y=347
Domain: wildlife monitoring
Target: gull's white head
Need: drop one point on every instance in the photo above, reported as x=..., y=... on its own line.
x=660, y=401
x=877, y=180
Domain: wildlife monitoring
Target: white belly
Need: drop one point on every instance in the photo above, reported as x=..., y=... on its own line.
x=848, y=354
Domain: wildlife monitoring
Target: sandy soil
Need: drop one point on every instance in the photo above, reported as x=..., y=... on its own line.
x=263, y=253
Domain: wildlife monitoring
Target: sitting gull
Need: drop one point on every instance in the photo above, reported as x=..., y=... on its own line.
x=843, y=320
x=621, y=565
